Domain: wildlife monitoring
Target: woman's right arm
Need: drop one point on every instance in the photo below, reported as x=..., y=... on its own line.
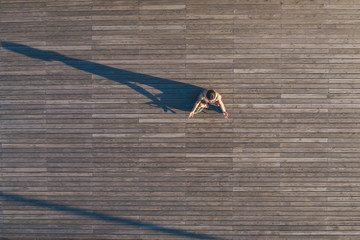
x=200, y=98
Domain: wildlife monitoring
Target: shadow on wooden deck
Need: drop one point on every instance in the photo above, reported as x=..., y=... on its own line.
x=175, y=95
x=101, y=216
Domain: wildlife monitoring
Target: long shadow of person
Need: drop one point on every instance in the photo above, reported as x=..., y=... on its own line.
x=174, y=94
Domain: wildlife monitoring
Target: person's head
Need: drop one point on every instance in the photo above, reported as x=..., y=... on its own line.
x=211, y=95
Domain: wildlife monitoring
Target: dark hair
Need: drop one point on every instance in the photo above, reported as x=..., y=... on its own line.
x=211, y=94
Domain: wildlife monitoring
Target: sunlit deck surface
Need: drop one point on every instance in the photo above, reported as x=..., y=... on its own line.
x=95, y=142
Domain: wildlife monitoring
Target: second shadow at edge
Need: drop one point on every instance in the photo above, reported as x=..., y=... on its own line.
x=100, y=216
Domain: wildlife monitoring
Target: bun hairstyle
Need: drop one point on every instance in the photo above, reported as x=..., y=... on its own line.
x=211, y=95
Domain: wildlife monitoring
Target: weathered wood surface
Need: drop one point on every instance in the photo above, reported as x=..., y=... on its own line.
x=285, y=165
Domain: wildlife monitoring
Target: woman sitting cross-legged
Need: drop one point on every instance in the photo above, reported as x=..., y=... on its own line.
x=207, y=99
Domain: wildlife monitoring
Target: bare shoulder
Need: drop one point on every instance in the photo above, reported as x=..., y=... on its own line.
x=203, y=94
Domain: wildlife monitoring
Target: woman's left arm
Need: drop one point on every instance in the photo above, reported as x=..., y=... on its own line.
x=222, y=106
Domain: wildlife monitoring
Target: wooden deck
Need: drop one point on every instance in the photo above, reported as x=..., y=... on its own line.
x=87, y=152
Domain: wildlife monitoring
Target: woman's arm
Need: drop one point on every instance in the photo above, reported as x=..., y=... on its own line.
x=196, y=105
x=222, y=106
